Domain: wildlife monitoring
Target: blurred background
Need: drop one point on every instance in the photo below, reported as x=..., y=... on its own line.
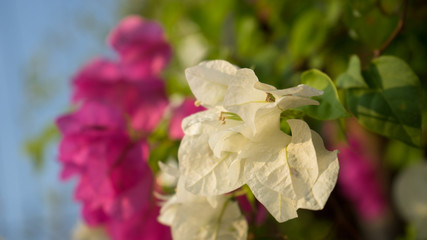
x=42, y=44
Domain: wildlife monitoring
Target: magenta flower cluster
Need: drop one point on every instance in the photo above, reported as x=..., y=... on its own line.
x=104, y=141
x=358, y=180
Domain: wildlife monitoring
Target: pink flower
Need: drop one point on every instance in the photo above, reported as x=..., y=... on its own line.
x=118, y=99
x=257, y=215
x=95, y=131
x=116, y=183
x=358, y=181
x=186, y=108
x=143, y=102
x=141, y=45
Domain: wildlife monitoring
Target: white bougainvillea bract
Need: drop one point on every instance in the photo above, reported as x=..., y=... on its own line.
x=238, y=141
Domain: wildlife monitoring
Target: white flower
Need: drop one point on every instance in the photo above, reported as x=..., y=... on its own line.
x=202, y=218
x=219, y=83
x=238, y=141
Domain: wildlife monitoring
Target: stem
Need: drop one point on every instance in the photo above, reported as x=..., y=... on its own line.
x=221, y=214
x=396, y=31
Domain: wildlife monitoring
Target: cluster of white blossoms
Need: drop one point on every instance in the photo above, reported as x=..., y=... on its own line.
x=199, y=217
x=238, y=141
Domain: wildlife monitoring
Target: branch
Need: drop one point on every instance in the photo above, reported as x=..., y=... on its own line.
x=396, y=31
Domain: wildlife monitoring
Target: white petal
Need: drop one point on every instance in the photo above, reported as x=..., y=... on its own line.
x=328, y=174
x=204, y=173
x=273, y=173
x=280, y=206
x=301, y=157
x=182, y=195
x=268, y=175
x=235, y=171
x=226, y=141
x=200, y=221
x=301, y=90
x=288, y=102
x=245, y=101
x=286, y=176
x=209, y=81
x=201, y=122
x=168, y=211
x=264, y=87
x=265, y=148
x=207, y=151
x=213, y=200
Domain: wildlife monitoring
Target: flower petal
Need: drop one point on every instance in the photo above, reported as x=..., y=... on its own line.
x=280, y=206
x=301, y=90
x=201, y=221
x=209, y=80
x=205, y=174
x=328, y=173
x=301, y=157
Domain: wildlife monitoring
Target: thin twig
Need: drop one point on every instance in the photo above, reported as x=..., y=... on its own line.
x=396, y=31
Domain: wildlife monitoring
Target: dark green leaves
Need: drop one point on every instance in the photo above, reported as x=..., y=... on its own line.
x=389, y=101
x=330, y=106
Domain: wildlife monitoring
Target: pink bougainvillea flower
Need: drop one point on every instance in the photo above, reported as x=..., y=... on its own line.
x=95, y=131
x=121, y=189
x=359, y=176
x=186, y=108
x=104, y=142
x=258, y=215
x=358, y=181
x=141, y=45
x=143, y=102
x=93, y=114
x=116, y=183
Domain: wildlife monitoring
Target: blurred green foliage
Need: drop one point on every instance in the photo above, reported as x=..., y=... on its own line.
x=281, y=39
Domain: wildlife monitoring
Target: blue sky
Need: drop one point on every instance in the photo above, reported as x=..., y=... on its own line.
x=47, y=40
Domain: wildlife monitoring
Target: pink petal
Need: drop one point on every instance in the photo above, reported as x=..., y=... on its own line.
x=141, y=45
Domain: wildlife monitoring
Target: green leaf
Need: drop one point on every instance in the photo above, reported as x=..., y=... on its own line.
x=352, y=78
x=330, y=106
x=392, y=105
